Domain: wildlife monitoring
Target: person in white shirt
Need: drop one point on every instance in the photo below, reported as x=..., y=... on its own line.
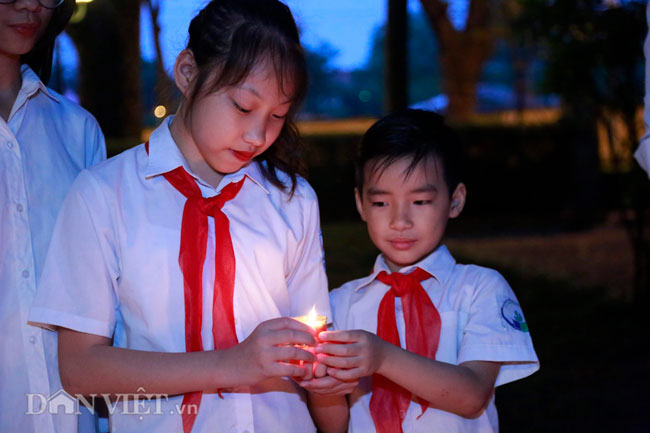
x=429, y=338
x=175, y=266
x=45, y=141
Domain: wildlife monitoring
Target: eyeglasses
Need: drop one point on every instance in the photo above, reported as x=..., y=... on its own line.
x=47, y=4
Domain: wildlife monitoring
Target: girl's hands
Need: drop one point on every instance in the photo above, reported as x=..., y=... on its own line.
x=270, y=351
x=350, y=355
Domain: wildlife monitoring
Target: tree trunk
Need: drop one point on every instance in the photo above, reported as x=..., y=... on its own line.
x=108, y=41
x=396, y=79
x=462, y=53
x=164, y=86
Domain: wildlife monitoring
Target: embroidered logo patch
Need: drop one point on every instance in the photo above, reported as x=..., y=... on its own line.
x=511, y=313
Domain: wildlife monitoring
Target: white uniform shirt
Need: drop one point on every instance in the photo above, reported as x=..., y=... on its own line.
x=480, y=316
x=113, y=271
x=47, y=141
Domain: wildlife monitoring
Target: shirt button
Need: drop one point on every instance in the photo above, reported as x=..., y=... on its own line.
x=25, y=273
x=19, y=208
x=10, y=144
x=32, y=339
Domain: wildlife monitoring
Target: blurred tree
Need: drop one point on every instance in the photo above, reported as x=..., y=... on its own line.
x=462, y=53
x=323, y=96
x=107, y=39
x=595, y=62
x=424, y=75
x=396, y=77
x=336, y=93
x=522, y=55
x=164, y=87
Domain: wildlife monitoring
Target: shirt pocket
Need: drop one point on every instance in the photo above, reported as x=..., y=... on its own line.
x=151, y=289
x=448, y=345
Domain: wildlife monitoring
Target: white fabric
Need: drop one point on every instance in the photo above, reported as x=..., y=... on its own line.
x=45, y=144
x=113, y=271
x=642, y=153
x=469, y=299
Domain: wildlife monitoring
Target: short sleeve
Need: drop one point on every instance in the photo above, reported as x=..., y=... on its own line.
x=339, y=299
x=77, y=287
x=307, y=283
x=95, y=143
x=496, y=329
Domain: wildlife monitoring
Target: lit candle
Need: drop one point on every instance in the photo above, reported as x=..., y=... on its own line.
x=318, y=323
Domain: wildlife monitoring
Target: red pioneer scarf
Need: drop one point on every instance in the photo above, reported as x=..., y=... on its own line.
x=389, y=401
x=191, y=258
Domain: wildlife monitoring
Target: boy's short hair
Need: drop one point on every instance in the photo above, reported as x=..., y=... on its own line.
x=417, y=134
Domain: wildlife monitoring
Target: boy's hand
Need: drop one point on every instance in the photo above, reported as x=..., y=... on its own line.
x=350, y=355
x=270, y=351
x=312, y=370
x=320, y=369
x=329, y=386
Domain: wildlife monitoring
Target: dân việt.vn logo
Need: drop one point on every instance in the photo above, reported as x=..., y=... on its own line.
x=139, y=403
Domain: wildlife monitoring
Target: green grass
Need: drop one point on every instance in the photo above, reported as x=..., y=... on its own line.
x=594, y=351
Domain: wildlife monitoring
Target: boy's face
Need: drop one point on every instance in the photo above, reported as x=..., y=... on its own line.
x=407, y=215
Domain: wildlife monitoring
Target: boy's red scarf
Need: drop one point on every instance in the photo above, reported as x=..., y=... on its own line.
x=194, y=238
x=389, y=401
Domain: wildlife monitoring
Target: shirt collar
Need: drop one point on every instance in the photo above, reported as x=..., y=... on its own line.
x=32, y=84
x=165, y=156
x=440, y=264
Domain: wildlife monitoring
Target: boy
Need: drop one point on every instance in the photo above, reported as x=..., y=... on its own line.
x=457, y=331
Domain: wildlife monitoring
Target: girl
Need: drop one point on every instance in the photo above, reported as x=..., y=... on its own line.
x=45, y=140
x=173, y=263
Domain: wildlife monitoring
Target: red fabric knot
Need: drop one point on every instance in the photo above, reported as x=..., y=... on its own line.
x=389, y=402
x=191, y=258
x=212, y=205
x=401, y=284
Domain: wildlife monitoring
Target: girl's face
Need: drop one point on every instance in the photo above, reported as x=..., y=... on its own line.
x=22, y=23
x=235, y=124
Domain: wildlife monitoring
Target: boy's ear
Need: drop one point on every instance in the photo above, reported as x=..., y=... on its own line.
x=185, y=71
x=458, y=200
x=357, y=199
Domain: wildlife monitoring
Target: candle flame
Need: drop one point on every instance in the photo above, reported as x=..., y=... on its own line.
x=311, y=317
x=313, y=320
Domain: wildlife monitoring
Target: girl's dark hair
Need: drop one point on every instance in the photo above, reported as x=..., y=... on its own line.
x=40, y=57
x=231, y=37
x=415, y=134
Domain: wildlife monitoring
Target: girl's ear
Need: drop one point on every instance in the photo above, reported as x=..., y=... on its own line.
x=457, y=200
x=358, y=200
x=185, y=71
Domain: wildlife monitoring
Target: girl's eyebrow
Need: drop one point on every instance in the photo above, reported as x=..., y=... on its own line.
x=254, y=91
x=251, y=89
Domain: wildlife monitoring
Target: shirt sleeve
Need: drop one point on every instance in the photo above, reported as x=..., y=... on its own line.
x=77, y=289
x=307, y=283
x=496, y=330
x=95, y=143
x=338, y=304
